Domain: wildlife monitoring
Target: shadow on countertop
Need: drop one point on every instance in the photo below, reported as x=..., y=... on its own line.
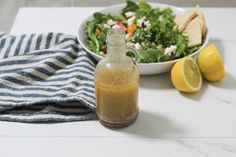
x=197, y=95
x=160, y=81
x=228, y=82
x=152, y=125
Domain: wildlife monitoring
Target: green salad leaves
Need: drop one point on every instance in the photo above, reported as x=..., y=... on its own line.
x=149, y=30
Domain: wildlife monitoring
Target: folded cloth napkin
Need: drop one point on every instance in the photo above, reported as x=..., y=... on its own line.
x=45, y=78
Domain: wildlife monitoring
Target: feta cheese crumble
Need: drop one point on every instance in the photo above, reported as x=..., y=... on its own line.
x=129, y=14
x=141, y=21
x=137, y=46
x=110, y=22
x=147, y=24
x=170, y=50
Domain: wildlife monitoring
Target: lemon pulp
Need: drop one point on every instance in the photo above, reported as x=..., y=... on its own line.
x=192, y=73
x=186, y=76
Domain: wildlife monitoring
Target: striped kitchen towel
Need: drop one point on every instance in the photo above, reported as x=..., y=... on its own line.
x=45, y=78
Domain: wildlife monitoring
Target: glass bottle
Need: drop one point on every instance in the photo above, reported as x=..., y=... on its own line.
x=116, y=84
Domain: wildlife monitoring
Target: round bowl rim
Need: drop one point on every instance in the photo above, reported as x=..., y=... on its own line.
x=204, y=43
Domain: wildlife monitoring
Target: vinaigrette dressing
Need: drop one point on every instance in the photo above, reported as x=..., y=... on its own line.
x=116, y=84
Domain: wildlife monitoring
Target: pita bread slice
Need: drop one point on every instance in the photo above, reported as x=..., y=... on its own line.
x=182, y=20
x=203, y=21
x=202, y=24
x=194, y=33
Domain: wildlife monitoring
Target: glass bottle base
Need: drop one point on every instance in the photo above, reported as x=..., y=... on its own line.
x=119, y=125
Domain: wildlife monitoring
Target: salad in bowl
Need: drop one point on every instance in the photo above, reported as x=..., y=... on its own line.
x=159, y=33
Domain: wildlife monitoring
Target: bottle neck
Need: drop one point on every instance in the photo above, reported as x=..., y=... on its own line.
x=116, y=52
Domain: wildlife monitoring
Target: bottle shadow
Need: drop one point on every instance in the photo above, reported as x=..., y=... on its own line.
x=152, y=125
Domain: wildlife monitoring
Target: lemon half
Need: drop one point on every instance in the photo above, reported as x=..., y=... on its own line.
x=186, y=76
x=210, y=63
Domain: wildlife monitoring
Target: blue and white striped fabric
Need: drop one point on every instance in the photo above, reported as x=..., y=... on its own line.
x=45, y=78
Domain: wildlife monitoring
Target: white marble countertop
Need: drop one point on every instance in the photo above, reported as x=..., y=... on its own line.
x=170, y=123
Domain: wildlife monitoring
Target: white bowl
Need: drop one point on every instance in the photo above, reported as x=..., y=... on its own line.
x=144, y=68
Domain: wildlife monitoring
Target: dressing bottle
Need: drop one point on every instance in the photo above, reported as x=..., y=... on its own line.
x=116, y=84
